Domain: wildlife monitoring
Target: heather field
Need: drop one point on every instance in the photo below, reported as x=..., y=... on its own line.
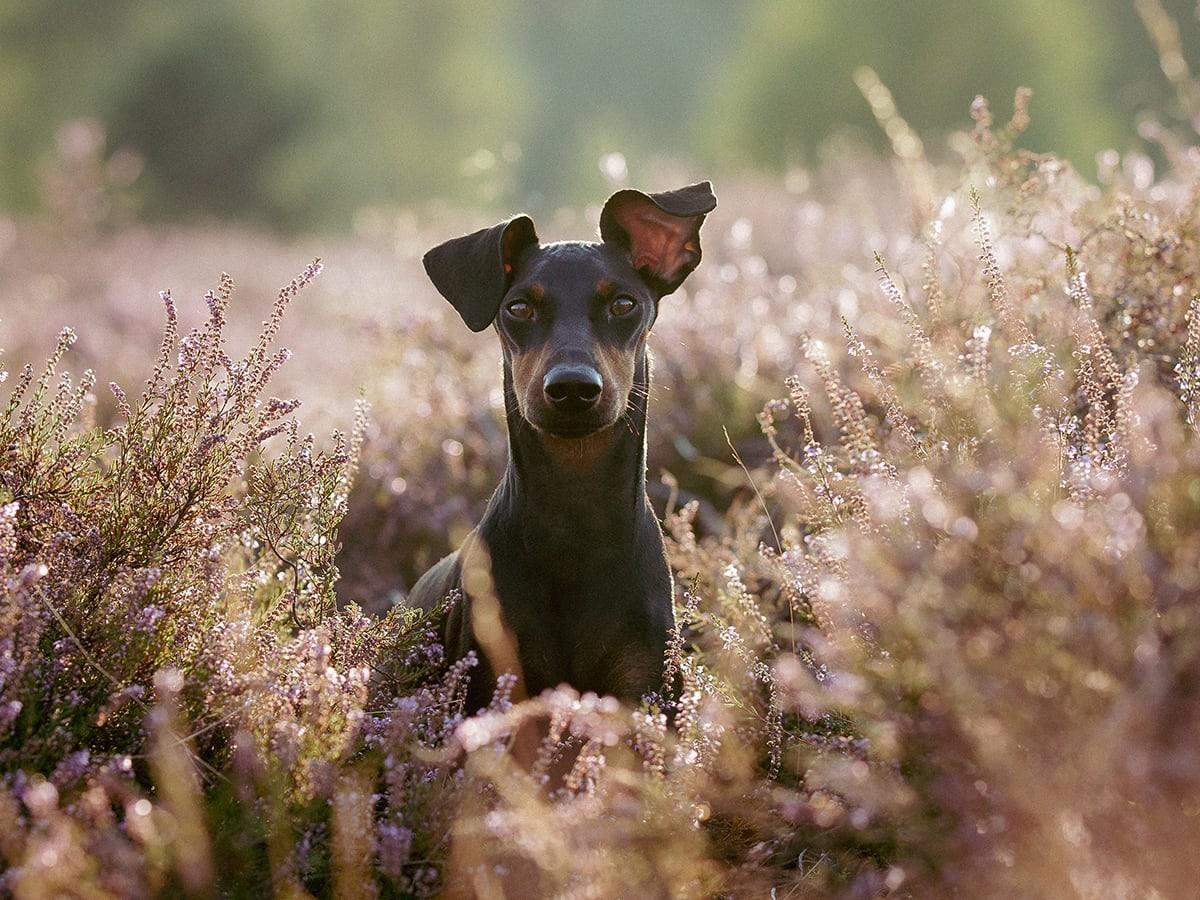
x=923, y=437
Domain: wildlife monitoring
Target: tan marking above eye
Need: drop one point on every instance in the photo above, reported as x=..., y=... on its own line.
x=603, y=286
x=537, y=291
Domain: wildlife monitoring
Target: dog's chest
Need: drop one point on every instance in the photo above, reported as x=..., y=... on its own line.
x=586, y=621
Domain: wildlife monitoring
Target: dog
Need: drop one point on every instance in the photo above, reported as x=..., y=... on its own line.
x=565, y=579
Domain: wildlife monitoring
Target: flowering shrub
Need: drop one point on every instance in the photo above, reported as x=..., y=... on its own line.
x=928, y=460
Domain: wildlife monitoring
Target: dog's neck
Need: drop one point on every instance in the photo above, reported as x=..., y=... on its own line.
x=577, y=492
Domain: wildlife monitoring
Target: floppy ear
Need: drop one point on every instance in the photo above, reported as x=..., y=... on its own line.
x=661, y=232
x=473, y=272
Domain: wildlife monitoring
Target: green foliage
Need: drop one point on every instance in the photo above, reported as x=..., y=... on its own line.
x=304, y=114
x=934, y=57
x=292, y=117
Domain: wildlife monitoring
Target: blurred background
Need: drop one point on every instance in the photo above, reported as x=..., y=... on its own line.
x=151, y=145
x=303, y=116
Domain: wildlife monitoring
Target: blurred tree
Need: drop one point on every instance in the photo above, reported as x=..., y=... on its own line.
x=790, y=84
x=300, y=114
x=407, y=95
x=296, y=115
x=617, y=76
x=208, y=107
x=55, y=64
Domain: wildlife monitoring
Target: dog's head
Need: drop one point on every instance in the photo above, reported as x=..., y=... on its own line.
x=573, y=316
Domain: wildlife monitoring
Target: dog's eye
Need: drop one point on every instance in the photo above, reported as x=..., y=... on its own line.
x=520, y=309
x=622, y=306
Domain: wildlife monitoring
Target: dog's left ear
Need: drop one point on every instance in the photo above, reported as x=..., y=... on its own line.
x=661, y=232
x=474, y=271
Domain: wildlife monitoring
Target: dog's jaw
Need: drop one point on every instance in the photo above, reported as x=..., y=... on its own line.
x=579, y=456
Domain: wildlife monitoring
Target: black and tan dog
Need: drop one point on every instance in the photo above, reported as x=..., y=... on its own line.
x=565, y=579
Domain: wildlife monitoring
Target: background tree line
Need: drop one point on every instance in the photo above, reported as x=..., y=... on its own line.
x=298, y=114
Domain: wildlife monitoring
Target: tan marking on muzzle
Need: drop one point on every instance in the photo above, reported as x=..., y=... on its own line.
x=528, y=369
x=616, y=367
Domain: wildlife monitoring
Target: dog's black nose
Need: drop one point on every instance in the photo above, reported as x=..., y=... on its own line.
x=572, y=388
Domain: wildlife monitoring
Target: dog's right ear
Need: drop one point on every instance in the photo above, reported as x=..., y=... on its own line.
x=473, y=272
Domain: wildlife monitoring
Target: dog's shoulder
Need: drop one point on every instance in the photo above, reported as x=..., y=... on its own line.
x=432, y=587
